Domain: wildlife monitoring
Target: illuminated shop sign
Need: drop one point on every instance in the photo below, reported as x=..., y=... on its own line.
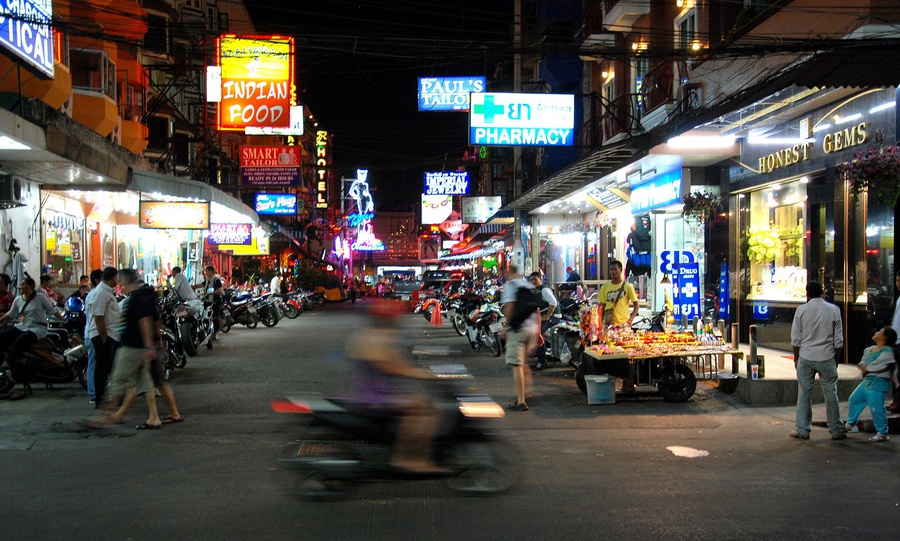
x=436, y=208
x=447, y=183
x=522, y=119
x=257, y=82
x=785, y=157
x=477, y=210
x=25, y=30
x=321, y=169
x=275, y=165
x=258, y=246
x=275, y=203
x=658, y=192
x=846, y=138
x=173, y=215
x=365, y=205
x=832, y=142
x=239, y=234
x=448, y=93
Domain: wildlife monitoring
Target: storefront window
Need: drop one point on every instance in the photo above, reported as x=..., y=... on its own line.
x=879, y=282
x=774, y=243
x=152, y=252
x=63, y=247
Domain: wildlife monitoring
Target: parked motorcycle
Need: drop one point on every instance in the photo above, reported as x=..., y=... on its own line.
x=57, y=358
x=269, y=312
x=353, y=444
x=196, y=325
x=172, y=313
x=293, y=306
x=241, y=309
x=483, y=326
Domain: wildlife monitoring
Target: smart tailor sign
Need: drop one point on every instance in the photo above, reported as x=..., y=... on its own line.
x=447, y=183
x=25, y=30
x=257, y=82
x=448, y=93
x=270, y=166
x=240, y=234
x=522, y=119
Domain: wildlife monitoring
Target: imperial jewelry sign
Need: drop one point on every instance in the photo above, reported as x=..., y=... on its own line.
x=447, y=183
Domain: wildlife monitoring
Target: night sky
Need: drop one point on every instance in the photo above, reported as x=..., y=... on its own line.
x=357, y=70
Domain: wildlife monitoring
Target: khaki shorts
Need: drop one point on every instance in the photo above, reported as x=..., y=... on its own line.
x=519, y=343
x=131, y=368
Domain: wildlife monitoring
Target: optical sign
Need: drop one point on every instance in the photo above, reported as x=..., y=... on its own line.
x=25, y=30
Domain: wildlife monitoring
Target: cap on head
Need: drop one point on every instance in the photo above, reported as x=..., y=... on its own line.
x=569, y=269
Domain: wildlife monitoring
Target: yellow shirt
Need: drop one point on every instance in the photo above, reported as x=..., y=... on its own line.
x=622, y=309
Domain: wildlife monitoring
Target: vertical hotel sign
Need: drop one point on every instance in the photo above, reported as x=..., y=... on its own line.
x=321, y=169
x=257, y=82
x=25, y=30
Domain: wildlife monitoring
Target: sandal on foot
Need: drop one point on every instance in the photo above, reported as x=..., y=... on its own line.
x=171, y=420
x=147, y=426
x=518, y=406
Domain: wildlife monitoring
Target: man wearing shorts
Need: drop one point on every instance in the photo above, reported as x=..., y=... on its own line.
x=519, y=341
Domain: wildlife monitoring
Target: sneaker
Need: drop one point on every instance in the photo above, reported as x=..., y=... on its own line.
x=839, y=436
x=518, y=406
x=851, y=428
x=879, y=437
x=798, y=435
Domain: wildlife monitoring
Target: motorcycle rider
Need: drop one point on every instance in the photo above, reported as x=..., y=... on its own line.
x=181, y=286
x=30, y=311
x=385, y=384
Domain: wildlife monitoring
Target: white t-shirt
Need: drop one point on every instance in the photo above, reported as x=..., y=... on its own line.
x=101, y=301
x=183, y=288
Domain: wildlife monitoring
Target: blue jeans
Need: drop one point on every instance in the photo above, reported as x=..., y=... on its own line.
x=873, y=396
x=91, y=365
x=806, y=376
x=541, y=351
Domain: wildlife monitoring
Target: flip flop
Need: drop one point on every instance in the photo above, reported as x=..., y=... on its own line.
x=172, y=420
x=17, y=396
x=147, y=426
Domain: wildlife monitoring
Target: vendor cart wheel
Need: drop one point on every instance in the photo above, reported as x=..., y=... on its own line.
x=679, y=385
x=579, y=379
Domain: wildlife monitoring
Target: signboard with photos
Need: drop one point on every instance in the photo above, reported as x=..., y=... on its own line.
x=477, y=210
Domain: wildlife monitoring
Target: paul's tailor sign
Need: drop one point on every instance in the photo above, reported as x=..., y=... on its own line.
x=447, y=183
x=522, y=119
x=26, y=31
x=448, y=93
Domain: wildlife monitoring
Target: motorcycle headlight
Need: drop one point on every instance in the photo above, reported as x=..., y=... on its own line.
x=481, y=409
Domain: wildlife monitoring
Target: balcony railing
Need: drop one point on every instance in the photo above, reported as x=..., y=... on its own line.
x=659, y=86
x=622, y=115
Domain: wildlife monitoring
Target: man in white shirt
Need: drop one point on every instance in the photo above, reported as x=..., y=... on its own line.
x=549, y=316
x=817, y=337
x=895, y=324
x=520, y=336
x=103, y=330
x=181, y=286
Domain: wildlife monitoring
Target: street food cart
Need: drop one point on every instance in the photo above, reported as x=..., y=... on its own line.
x=672, y=361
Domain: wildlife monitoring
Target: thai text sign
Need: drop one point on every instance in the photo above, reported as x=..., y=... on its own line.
x=173, y=215
x=447, y=183
x=448, y=93
x=276, y=203
x=522, y=119
x=26, y=31
x=257, y=82
x=262, y=166
x=230, y=234
x=686, y=290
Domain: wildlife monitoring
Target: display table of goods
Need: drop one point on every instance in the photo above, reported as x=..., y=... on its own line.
x=637, y=344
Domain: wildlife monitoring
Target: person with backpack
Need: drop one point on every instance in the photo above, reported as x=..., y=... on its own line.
x=550, y=314
x=520, y=303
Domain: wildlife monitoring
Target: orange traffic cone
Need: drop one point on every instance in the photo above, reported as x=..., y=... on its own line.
x=436, y=318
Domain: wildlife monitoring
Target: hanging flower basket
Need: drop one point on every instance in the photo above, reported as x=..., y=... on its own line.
x=700, y=205
x=875, y=170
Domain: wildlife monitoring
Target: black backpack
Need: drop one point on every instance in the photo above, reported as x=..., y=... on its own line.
x=528, y=301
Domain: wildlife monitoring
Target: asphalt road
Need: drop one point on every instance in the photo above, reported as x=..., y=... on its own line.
x=588, y=472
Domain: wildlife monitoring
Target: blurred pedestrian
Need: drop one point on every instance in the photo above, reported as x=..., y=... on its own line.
x=6, y=296
x=131, y=368
x=520, y=335
x=817, y=337
x=549, y=317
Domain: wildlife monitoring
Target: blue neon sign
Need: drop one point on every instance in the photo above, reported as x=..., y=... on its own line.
x=25, y=30
x=661, y=191
x=276, y=203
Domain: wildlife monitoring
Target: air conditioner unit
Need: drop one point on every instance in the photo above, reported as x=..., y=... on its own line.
x=12, y=191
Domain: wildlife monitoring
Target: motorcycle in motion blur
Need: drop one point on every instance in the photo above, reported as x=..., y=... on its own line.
x=351, y=443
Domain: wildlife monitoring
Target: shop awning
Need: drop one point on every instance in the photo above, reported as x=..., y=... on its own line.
x=223, y=207
x=586, y=170
x=475, y=253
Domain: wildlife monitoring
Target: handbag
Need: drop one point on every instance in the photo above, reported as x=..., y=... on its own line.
x=608, y=313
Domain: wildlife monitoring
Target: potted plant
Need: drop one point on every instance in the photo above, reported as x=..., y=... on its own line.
x=700, y=205
x=875, y=170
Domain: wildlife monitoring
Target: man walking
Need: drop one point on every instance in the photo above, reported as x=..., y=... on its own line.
x=520, y=333
x=102, y=332
x=549, y=316
x=817, y=337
